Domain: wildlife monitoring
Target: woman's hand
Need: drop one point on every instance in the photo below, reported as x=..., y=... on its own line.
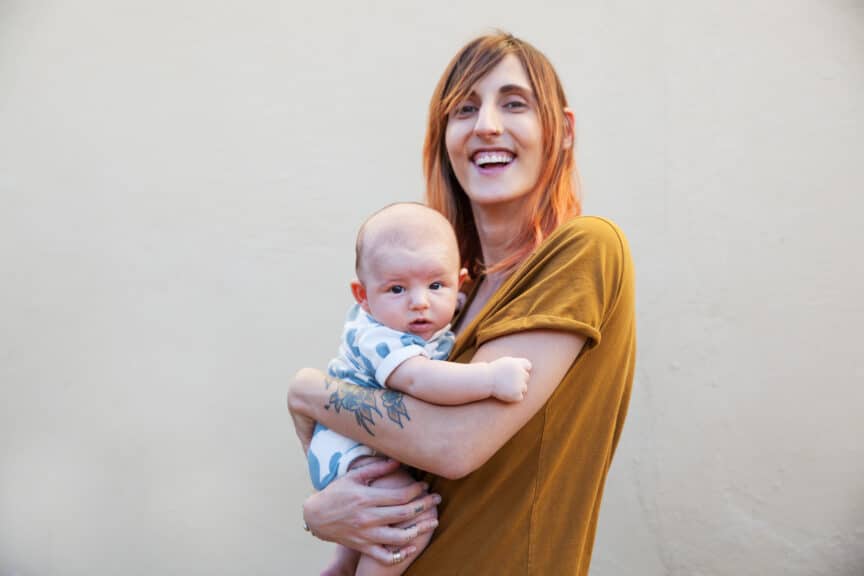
x=359, y=516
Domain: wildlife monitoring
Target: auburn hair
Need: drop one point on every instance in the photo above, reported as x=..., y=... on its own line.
x=555, y=197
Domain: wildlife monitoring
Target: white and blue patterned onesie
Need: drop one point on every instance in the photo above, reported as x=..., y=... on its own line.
x=368, y=354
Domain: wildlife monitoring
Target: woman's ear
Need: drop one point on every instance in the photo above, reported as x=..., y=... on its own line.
x=569, y=128
x=359, y=293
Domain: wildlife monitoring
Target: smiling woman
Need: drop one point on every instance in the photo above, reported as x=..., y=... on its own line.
x=497, y=128
x=505, y=94
x=520, y=482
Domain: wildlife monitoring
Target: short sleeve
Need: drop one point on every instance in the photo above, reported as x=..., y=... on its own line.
x=386, y=349
x=571, y=283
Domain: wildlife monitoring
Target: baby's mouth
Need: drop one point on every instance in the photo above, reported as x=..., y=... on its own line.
x=419, y=324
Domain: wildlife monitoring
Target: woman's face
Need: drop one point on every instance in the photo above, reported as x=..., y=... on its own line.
x=494, y=137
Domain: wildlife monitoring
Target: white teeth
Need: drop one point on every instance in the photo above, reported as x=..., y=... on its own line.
x=493, y=157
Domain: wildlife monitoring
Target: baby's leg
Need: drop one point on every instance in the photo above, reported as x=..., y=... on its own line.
x=368, y=566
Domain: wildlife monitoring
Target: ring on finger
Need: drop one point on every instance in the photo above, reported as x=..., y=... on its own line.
x=397, y=557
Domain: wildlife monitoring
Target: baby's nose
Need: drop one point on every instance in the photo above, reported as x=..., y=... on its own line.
x=419, y=299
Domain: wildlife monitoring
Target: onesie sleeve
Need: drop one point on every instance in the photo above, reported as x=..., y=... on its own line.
x=386, y=349
x=571, y=283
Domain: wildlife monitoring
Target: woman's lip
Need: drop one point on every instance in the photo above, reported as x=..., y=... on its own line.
x=492, y=169
x=479, y=149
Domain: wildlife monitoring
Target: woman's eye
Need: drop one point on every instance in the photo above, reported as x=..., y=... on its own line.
x=435, y=286
x=396, y=290
x=464, y=110
x=515, y=105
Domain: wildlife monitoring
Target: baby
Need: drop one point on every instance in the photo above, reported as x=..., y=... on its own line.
x=397, y=336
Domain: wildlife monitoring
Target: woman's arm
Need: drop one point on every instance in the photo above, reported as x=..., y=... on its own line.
x=433, y=437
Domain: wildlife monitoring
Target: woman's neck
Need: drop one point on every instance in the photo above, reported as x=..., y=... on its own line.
x=496, y=226
x=489, y=284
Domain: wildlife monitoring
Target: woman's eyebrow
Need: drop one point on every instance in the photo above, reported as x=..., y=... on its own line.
x=505, y=89
x=517, y=88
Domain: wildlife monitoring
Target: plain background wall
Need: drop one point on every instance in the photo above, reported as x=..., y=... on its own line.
x=180, y=184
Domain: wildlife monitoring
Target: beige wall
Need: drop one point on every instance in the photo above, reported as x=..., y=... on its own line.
x=180, y=183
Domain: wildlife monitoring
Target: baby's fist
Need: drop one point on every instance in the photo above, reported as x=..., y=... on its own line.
x=510, y=378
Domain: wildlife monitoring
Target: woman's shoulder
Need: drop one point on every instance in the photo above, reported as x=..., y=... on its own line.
x=594, y=228
x=584, y=236
x=580, y=244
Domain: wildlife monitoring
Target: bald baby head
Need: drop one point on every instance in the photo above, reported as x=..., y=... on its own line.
x=408, y=269
x=407, y=225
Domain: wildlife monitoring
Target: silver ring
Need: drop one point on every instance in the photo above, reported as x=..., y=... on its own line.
x=397, y=557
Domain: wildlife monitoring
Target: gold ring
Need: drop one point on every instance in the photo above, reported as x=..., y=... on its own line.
x=397, y=557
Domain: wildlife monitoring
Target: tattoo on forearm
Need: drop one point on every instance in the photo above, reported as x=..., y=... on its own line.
x=396, y=410
x=363, y=403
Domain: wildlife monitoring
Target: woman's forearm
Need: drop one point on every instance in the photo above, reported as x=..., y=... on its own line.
x=414, y=432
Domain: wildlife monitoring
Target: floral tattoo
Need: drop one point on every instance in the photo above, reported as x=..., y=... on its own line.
x=363, y=403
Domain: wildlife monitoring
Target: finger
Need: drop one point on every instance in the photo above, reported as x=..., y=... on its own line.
x=394, y=537
x=406, y=512
x=428, y=525
x=395, y=496
x=399, y=537
x=386, y=557
x=367, y=474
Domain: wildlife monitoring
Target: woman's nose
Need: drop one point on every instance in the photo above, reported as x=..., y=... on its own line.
x=488, y=121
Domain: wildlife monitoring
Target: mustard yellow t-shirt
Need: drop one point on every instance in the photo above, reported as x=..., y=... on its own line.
x=532, y=508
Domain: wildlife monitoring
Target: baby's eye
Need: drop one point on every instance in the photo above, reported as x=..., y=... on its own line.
x=396, y=289
x=435, y=286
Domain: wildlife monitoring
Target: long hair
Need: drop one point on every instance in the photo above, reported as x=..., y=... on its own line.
x=555, y=196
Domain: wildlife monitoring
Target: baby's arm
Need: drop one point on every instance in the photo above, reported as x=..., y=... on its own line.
x=441, y=382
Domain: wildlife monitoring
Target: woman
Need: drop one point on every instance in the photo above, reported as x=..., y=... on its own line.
x=520, y=483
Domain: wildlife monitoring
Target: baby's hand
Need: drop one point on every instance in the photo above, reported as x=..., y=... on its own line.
x=510, y=378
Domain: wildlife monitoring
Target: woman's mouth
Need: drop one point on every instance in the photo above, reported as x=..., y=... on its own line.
x=491, y=159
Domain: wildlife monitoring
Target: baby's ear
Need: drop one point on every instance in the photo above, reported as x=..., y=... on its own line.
x=359, y=292
x=463, y=275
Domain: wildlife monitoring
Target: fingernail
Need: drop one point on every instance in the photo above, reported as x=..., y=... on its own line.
x=436, y=499
x=425, y=486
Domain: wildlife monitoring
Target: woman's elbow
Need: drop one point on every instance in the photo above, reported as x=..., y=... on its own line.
x=448, y=470
x=303, y=377
x=457, y=462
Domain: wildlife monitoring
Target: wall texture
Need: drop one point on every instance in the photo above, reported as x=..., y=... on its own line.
x=180, y=183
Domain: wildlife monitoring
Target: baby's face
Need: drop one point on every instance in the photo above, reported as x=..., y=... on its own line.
x=412, y=288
